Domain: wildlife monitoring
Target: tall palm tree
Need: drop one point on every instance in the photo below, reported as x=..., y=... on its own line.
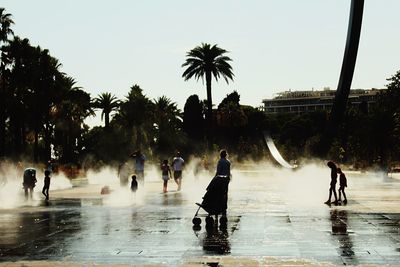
x=107, y=103
x=208, y=61
x=5, y=31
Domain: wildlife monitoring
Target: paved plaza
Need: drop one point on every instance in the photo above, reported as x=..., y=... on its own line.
x=275, y=217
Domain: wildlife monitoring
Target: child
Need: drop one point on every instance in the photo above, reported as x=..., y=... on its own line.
x=134, y=184
x=46, y=186
x=343, y=184
x=166, y=174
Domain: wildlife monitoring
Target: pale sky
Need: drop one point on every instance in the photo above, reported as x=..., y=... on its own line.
x=275, y=45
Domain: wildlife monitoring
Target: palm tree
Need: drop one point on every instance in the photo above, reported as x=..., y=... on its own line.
x=5, y=31
x=107, y=103
x=208, y=61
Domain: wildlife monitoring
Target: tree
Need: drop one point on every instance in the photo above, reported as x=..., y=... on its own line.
x=107, y=103
x=167, y=122
x=5, y=31
x=193, y=118
x=207, y=61
x=136, y=117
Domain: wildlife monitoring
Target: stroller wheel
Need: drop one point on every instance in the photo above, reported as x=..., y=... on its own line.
x=209, y=220
x=196, y=221
x=223, y=220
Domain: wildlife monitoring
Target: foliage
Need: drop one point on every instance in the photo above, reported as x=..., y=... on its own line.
x=206, y=61
x=107, y=103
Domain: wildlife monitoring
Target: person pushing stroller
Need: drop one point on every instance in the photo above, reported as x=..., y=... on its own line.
x=215, y=201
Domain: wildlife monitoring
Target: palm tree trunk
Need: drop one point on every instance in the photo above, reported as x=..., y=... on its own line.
x=208, y=131
x=209, y=98
x=106, y=120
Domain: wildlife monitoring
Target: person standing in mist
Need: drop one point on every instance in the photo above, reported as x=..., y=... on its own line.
x=342, y=185
x=166, y=174
x=177, y=166
x=46, y=187
x=332, y=187
x=139, y=165
x=224, y=169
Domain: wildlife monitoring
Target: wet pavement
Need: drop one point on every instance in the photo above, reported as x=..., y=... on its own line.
x=274, y=218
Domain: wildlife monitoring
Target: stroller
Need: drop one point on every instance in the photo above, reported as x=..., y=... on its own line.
x=214, y=201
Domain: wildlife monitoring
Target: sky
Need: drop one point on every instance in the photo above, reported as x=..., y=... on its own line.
x=275, y=45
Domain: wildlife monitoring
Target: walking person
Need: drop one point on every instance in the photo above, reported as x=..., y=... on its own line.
x=166, y=174
x=332, y=188
x=46, y=187
x=342, y=185
x=177, y=166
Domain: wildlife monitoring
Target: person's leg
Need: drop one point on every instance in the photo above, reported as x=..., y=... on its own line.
x=44, y=191
x=340, y=197
x=179, y=183
x=26, y=193
x=31, y=192
x=165, y=186
x=334, y=194
x=344, y=195
x=47, y=193
x=330, y=195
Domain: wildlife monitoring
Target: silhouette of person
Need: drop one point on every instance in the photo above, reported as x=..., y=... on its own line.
x=139, y=165
x=224, y=165
x=29, y=182
x=177, y=166
x=342, y=185
x=134, y=184
x=332, y=187
x=166, y=174
x=224, y=170
x=46, y=187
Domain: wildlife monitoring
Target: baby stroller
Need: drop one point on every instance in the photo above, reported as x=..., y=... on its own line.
x=29, y=181
x=214, y=201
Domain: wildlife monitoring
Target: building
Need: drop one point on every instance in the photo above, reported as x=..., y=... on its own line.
x=308, y=101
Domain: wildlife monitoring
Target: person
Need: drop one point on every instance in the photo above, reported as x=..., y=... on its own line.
x=29, y=182
x=224, y=172
x=342, y=185
x=134, y=183
x=332, y=187
x=123, y=173
x=166, y=174
x=177, y=165
x=224, y=165
x=139, y=165
x=46, y=187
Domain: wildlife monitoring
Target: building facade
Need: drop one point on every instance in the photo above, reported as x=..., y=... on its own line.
x=309, y=101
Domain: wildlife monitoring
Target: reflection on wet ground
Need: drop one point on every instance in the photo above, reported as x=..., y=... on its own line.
x=264, y=220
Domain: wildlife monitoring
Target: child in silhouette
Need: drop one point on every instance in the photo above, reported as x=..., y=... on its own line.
x=342, y=185
x=166, y=174
x=46, y=186
x=134, y=183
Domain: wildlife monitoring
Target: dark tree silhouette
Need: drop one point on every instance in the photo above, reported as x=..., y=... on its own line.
x=5, y=31
x=193, y=117
x=207, y=61
x=107, y=103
